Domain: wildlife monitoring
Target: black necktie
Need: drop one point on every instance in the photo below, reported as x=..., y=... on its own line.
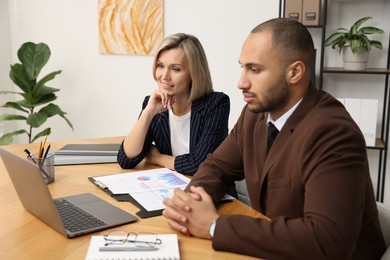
x=272, y=133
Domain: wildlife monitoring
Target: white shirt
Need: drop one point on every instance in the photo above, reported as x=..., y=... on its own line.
x=282, y=120
x=180, y=133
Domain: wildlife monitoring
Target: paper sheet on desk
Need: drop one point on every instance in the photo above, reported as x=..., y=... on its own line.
x=149, y=187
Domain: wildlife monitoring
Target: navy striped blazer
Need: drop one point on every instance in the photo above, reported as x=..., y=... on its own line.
x=209, y=127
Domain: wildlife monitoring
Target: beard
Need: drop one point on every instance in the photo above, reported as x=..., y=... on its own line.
x=275, y=99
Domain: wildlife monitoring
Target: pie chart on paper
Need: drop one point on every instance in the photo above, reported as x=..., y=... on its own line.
x=143, y=178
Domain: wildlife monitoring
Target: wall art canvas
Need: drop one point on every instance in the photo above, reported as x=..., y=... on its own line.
x=130, y=26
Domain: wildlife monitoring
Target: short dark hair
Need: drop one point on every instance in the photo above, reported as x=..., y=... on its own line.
x=291, y=39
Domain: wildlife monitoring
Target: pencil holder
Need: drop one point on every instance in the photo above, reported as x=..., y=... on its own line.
x=46, y=165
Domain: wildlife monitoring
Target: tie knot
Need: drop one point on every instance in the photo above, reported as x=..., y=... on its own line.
x=272, y=133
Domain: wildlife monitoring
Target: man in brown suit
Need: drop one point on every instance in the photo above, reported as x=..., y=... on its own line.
x=313, y=183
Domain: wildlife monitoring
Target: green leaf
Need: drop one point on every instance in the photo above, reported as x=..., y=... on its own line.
x=44, y=90
x=365, y=42
x=45, y=132
x=376, y=44
x=334, y=38
x=46, y=79
x=52, y=110
x=19, y=76
x=354, y=29
x=36, y=119
x=33, y=57
x=26, y=102
x=356, y=46
x=342, y=30
x=45, y=99
x=42, y=99
x=8, y=117
x=8, y=138
x=371, y=30
x=14, y=105
x=67, y=120
x=359, y=22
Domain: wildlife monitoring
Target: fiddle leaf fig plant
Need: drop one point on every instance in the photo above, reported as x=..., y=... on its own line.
x=36, y=103
x=356, y=37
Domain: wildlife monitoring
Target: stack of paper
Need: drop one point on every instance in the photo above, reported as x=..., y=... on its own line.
x=86, y=154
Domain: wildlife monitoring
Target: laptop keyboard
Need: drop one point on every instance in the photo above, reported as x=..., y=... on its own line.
x=74, y=218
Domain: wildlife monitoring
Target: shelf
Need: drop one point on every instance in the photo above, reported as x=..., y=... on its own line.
x=314, y=26
x=381, y=142
x=379, y=145
x=378, y=71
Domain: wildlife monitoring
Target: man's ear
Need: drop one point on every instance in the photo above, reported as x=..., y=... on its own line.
x=295, y=72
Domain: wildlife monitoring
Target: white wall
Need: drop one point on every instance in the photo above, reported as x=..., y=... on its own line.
x=102, y=94
x=5, y=61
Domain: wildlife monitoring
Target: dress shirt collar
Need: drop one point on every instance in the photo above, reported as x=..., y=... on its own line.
x=282, y=120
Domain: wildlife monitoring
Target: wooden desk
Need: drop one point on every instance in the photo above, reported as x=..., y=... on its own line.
x=23, y=236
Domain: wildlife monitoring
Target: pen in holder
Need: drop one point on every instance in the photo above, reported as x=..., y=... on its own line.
x=45, y=164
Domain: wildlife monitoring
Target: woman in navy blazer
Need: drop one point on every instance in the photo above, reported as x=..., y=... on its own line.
x=182, y=121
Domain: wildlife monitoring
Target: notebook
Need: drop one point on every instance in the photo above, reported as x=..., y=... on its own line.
x=35, y=197
x=169, y=249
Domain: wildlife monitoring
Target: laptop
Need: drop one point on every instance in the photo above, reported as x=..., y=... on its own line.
x=35, y=197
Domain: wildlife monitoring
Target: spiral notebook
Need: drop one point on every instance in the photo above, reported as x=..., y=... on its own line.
x=169, y=249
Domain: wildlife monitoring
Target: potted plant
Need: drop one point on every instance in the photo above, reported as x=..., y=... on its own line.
x=34, y=93
x=354, y=43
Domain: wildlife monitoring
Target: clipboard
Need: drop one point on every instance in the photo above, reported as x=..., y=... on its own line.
x=125, y=197
x=144, y=189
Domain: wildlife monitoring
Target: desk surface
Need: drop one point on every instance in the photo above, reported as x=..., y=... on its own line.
x=23, y=236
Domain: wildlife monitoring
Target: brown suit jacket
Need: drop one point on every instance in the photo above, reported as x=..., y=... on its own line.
x=314, y=184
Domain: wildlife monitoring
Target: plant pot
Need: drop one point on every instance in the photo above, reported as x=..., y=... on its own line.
x=355, y=61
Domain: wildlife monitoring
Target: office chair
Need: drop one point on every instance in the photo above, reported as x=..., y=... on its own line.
x=384, y=219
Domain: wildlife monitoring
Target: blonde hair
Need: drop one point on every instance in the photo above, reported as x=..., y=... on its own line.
x=201, y=83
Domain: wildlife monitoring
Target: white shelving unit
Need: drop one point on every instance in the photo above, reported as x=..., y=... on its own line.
x=381, y=144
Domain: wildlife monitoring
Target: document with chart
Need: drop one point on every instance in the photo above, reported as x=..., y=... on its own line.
x=148, y=187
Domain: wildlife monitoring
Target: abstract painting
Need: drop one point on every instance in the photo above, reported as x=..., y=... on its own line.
x=130, y=26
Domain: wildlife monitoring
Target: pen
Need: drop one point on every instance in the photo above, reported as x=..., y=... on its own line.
x=47, y=151
x=29, y=155
x=122, y=248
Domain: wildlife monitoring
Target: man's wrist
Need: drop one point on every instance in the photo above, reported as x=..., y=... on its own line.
x=212, y=228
